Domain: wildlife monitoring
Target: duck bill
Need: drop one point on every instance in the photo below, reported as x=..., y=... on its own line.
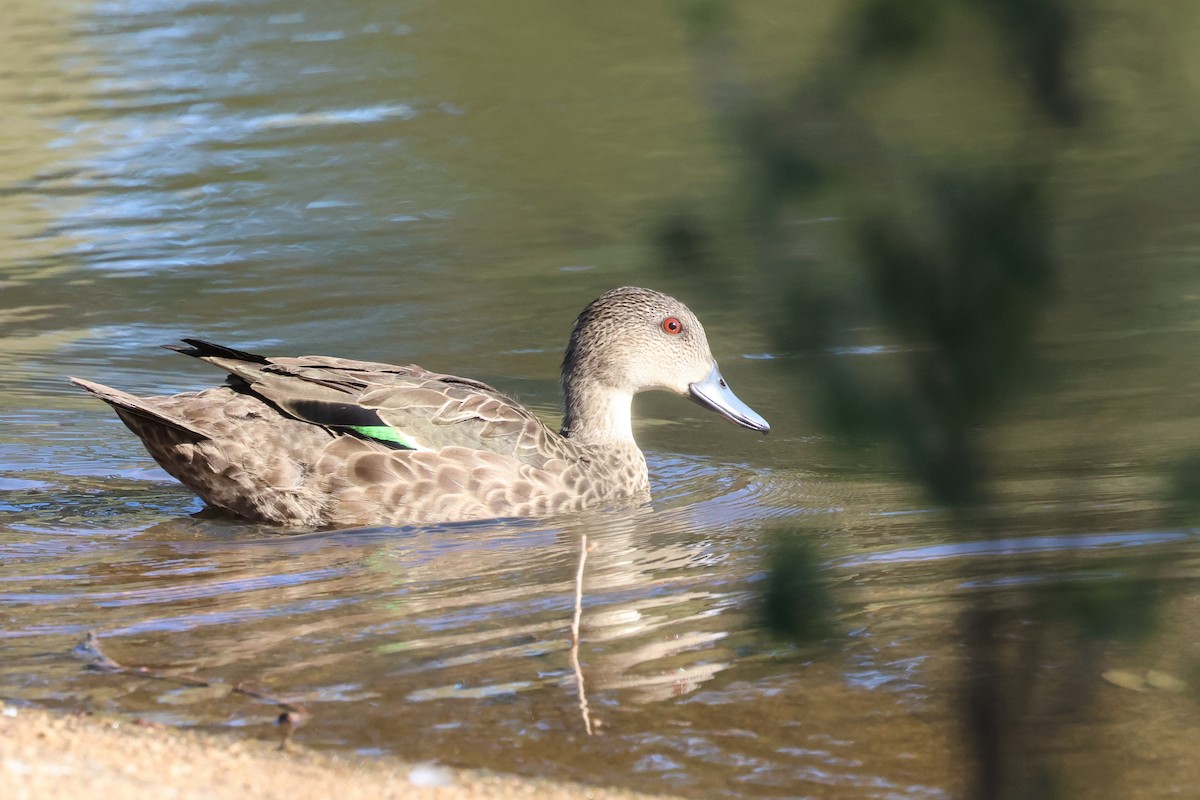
x=713, y=393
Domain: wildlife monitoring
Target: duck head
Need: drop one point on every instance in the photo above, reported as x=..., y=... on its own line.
x=632, y=340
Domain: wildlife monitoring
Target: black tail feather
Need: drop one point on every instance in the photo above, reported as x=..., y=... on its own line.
x=204, y=349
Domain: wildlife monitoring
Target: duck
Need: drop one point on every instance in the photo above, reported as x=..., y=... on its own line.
x=316, y=442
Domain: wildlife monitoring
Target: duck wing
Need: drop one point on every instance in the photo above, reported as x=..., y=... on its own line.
x=403, y=407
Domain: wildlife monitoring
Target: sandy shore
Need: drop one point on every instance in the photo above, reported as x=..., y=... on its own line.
x=51, y=756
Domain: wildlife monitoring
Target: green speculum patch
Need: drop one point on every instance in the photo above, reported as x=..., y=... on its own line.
x=383, y=433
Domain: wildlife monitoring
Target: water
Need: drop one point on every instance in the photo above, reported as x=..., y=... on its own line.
x=415, y=183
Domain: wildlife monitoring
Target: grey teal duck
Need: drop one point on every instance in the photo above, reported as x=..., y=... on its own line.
x=317, y=441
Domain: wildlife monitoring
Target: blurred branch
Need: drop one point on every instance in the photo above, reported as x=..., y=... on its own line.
x=949, y=265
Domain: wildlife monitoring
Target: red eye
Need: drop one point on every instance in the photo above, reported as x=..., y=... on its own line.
x=672, y=326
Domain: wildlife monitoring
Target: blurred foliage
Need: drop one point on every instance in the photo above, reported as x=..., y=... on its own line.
x=1105, y=608
x=948, y=264
x=797, y=601
x=896, y=28
x=1185, y=492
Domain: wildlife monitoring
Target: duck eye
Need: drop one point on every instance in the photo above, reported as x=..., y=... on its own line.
x=672, y=325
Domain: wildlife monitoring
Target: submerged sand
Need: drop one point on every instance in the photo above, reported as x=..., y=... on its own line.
x=56, y=756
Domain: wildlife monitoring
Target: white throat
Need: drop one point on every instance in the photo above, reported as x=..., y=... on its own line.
x=618, y=416
x=600, y=415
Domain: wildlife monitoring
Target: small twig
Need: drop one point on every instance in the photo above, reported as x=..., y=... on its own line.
x=583, y=703
x=292, y=716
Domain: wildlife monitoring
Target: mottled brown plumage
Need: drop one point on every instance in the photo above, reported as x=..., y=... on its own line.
x=317, y=441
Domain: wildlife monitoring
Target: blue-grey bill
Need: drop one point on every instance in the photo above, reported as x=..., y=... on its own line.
x=713, y=393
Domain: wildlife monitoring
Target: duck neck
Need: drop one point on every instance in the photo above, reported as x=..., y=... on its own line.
x=597, y=414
